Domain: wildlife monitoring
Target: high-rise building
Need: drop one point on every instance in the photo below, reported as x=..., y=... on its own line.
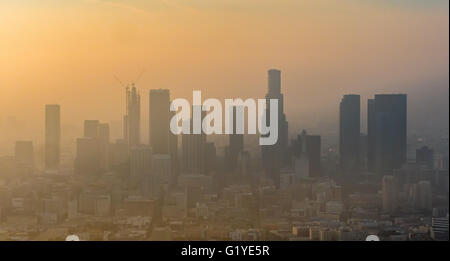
x=104, y=136
x=307, y=150
x=387, y=132
x=140, y=164
x=194, y=151
x=236, y=141
x=371, y=135
x=439, y=231
x=132, y=118
x=92, y=156
x=159, y=105
x=349, y=133
x=88, y=156
x=91, y=128
x=173, y=148
x=52, y=136
x=275, y=156
x=424, y=156
x=363, y=147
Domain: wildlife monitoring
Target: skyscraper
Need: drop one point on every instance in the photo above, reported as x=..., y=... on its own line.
x=159, y=105
x=132, y=118
x=371, y=135
x=88, y=156
x=52, y=136
x=194, y=151
x=92, y=149
x=103, y=136
x=236, y=141
x=349, y=133
x=140, y=165
x=275, y=156
x=173, y=148
x=308, y=147
x=91, y=128
x=424, y=156
x=387, y=132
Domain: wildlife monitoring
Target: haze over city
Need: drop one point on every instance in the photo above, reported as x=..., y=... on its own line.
x=354, y=144
x=68, y=53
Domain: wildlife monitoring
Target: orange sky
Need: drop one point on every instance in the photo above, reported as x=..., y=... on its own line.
x=67, y=52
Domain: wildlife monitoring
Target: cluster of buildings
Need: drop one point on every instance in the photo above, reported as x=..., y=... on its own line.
x=186, y=187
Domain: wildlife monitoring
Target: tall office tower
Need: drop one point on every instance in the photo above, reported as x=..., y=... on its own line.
x=349, y=133
x=104, y=136
x=275, y=156
x=387, y=120
x=173, y=147
x=371, y=135
x=88, y=156
x=307, y=147
x=236, y=145
x=363, y=140
x=194, y=152
x=52, y=136
x=24, y=156
x=159, y=104
x=92, y=150
x=140, y=165
x=132, y=118
x=91, y=128
x=389, y=194
x=119, y=155
x=424, y=156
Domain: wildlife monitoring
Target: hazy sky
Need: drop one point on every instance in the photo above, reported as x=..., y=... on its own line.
x=67, y=52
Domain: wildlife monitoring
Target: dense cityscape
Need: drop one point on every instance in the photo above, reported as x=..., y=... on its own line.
x=385, y=182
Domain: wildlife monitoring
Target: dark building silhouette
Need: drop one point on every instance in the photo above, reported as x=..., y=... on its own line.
x=104, y=136
x=312, y=149
x=349, y=133
x=387, y=132
x=194, y=150
x=52, y=136
x=371, y=135
x=159, y=120
x=173, y=147
x=140, y=165
x=424, y=156
x=132, y=118
x=91, y=128
x=363, y=150
x=104, y=132
x=236, y=142
x=92, y=156
x=275, y=156
x=88, y=156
